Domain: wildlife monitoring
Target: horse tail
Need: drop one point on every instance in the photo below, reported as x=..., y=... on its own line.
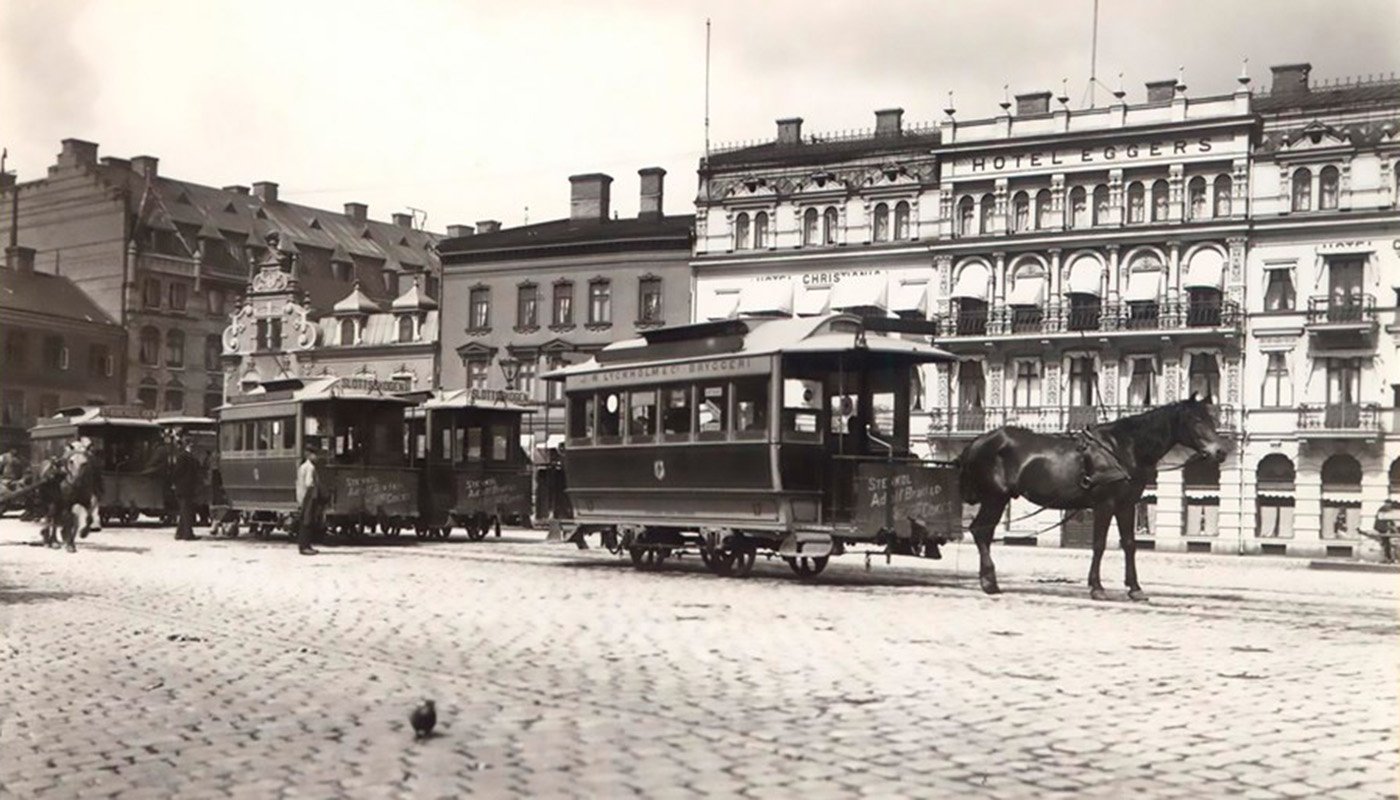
x=967, y=484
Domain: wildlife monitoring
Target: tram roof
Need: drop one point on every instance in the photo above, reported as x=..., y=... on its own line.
x=329, y=387
x=486, y=399
x=185, y=420
x=830, y=333
x=131, y=416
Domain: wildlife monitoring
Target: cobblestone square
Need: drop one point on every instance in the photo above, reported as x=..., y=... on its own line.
x=145, y=667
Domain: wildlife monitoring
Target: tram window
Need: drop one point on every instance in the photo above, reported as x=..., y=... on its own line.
x=473, y=444
x=641, y=416
x=500, y=443
x=581, y=418
x=751, y=408
x=610, y=418
x=289, y=434
x=802, y=404
x=712, y=411
x=264, y=435
x=675, y=413
x=248, y=437
x=228, y=437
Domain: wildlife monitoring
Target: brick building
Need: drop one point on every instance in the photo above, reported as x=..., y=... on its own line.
x=60, y=349
x=168, y=258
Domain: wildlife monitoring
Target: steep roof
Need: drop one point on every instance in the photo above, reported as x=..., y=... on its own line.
x=818, y=150
x=49, y=295
x=413, y=300
x=1349, y=96
x=241, y=218
x=357, y=302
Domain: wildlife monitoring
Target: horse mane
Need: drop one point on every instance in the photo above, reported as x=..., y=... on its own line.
x=1152, y=430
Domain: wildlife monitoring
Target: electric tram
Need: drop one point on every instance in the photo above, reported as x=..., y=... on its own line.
x=748, y=436
x=475, y=474
x=129, y=449
x=357, y=425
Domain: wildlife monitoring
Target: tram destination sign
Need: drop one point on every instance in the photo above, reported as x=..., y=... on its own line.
x=498, y=396
x=674, y=371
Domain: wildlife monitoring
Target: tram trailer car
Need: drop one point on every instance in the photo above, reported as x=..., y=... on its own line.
x=783, y=436
x=475, y=474
x=130, y=449
x=358, y=426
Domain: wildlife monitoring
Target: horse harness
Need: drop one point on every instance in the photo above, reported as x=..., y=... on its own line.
x=1089, y=440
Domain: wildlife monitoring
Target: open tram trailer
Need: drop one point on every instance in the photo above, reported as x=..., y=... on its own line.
x=475, y=474
x=130, y=451
x=748, y=435
x=358, y=426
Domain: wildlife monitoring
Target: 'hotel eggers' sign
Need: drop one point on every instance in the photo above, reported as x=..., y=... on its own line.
x=1072, y=157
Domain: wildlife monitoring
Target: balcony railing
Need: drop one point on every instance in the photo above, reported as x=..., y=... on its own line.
x=1343, y=418
x=1053, y=318
x=1354, y=310
x=1046, y=419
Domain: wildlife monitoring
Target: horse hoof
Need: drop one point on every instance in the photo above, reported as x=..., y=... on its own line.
x=70, y=548
x=1098, y=594
x=1137, y=595
x=989, y=585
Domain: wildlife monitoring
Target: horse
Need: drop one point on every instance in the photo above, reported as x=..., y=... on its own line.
x=1104, y=468
x=70, y=484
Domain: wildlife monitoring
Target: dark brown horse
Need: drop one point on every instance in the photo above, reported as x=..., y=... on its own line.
x=69, y=484
x=1105, y=468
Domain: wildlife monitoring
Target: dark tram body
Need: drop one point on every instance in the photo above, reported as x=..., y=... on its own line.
x=743, y=436
x=358, y=426
x=475, y=474
x=130, y=450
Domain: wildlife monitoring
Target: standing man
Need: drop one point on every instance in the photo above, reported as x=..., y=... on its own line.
x=186, y=487
x=309, y=500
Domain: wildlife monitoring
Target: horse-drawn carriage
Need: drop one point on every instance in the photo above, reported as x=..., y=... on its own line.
x=356, y=423
x=130, y=452
x=475, y=474
x=783, y=436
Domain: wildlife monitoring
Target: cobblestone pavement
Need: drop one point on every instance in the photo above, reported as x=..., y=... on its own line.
x=145, y=667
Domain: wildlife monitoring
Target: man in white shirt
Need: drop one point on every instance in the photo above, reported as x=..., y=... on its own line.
x=309, y=501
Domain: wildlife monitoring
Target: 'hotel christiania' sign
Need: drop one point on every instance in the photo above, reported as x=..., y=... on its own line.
x=1095, y=155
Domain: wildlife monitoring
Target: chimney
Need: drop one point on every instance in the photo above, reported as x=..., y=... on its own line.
x=652, y=204
x=889, y=122
x=265, y=191
x=1161, y=91
x=20, y=259
x=404, y=221
x=458, y=231
x=236, y=188
x=1289, y=79
x=790, y=130
x=77, y=153
x=357, y=212
x=146, y=166
x=1032, y=103
x=589, y=196
x=488, y=226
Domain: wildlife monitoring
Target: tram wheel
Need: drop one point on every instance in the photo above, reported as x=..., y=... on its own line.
x=808, y=567
x=648, y=558
x=743, y=562
x=475, y=532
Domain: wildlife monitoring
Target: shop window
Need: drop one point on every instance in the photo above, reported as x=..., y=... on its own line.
x=1328, y=188
x=1302, y=190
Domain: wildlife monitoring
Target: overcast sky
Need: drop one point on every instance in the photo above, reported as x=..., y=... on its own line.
x=475, y=111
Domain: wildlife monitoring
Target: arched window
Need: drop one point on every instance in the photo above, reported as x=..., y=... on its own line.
x=1275, y=471
x=1196, y=198
x=741, y=232
x=967, y=213
x=1395, y=479
x=1137, y=211
x=1302, y=190
x=347, y=332
x=149, y=354
x=1042, y=209
x=1328, y=186
x=1160, y=199
x=1020, y=212
x=829, y=226
x=810, y=220
x=1078, y=207
x=1341, y=497
x=1223, y=187
x=1274, y=483
x=760, y=229
x=1100, y=205
x=984, y=221
x=175, y=349
x=901, y=220
x=405, y=327
x=1341, y=472
x=1201, y=473
x=880, y=224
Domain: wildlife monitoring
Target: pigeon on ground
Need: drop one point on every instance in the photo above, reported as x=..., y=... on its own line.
x=423, y=719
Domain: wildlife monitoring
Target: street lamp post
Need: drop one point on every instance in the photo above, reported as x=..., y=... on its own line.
x=510, y=368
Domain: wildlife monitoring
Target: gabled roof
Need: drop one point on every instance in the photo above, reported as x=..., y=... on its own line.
x=415, y=299
x=49, y=295
x=357, y=302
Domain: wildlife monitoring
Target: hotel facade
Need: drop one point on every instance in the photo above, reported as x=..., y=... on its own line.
x=1091, y=263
